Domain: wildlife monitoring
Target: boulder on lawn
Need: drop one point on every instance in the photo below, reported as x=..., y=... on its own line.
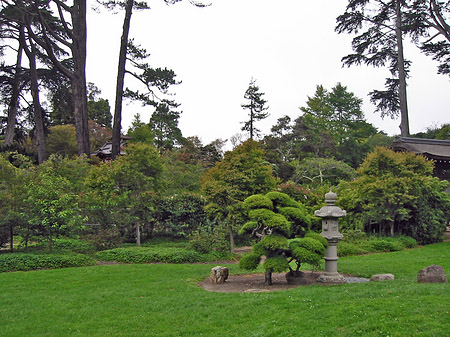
x=382, y=277
x=432, y=274
x=218, y=274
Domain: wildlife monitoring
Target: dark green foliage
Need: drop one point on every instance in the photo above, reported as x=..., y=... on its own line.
x=180, y=214
x=307, y=250
x=104, y=237
x=24, y=262
x=299, y=219
x=249, y=261
x=73, y=245
x=276, y=264
x=154, y=254
x=282, y=200
x=408, y=242
x=205, y=242
x=257, y=109
x=382, y=245
x=318, y=237
x=350, y=248
x=258, y=201
x=274, y=242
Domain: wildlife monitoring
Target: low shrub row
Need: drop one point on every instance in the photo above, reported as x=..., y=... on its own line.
x=159, y=254
x=25, y=262
x=356, y=244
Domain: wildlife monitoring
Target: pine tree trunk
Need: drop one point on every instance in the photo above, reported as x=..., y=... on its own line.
x=404, y=122
x=117, y=125
x=38, y=118
x=12, y=109
x=78, y=79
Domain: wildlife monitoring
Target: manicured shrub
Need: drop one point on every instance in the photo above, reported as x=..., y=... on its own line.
x=318, y=237
x=258, y=201
x=249, y=261
x=282, y=200
x=24, y=262
x=150, y=255
x=276, y=264
x=349, y=248
x=273, y=242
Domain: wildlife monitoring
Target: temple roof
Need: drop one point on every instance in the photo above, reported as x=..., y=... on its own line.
x=431, y=148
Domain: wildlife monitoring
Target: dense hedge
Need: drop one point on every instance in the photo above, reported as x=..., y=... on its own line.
x=159, y=254
x=365, y=245
x=24, y=262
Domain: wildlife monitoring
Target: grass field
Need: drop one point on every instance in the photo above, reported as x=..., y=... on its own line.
x=165, y=300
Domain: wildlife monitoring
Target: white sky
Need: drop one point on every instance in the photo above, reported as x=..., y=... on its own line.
x=288, y=46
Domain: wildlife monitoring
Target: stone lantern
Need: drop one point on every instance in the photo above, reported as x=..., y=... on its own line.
x=330, y=215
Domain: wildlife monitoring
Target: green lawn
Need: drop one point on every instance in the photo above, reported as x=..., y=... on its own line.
x=164, y=300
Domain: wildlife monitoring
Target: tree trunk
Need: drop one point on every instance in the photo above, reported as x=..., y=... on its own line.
x=230, y=230
x=138, y=235
x=78, y=79
x=38, y=117
x=11, y=237
x=117, y=125
x=404, y=122
x=12, y=109
x=391, y=229
x=268, y=278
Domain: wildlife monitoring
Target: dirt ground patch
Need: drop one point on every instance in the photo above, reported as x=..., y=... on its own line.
x=253, y=283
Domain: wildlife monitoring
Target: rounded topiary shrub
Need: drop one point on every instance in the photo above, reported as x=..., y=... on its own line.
x=258, y=201
x=276, y=264
x=249, y=261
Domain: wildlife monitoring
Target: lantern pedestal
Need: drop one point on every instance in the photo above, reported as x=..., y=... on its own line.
x=331, y=275
x=330, y=215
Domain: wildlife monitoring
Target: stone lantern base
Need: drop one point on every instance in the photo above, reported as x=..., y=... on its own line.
x=335, y=278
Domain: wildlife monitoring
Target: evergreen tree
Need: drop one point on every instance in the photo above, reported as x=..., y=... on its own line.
x=379, y=42
x=257, y=108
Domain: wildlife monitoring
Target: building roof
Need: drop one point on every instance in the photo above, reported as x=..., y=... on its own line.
x=431, y=148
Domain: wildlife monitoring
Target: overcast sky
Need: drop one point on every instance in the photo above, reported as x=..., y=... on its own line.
x=288, y=46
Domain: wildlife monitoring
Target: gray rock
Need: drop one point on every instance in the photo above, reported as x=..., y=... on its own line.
x=382, y=277
x=432, y=274
x=218, y=274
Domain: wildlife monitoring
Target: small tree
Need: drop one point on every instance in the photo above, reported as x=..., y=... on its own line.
x=52, y=206
x=256, y=106
x=395, y=193
x=241, y=173
x=274, y=218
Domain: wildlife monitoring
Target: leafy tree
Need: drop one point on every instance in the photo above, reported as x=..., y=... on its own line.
x=164, y=125
x=52, y=206
x=333, y=125
x=241, y=173
x=320, y=171
x=123, y=192
x=12, y=194
x=395, y=193
x=139, y=131
x=274, y=218
x=379, y=25
x=62, y=140
x=256, y=106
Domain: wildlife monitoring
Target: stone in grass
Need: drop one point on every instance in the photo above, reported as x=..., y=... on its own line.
x=432, y=274
x=382, y=277
x=218, y=274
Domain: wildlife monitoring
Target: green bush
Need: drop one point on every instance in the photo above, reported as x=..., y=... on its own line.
x=258, y=201
x=24, y=262
x=385, y=245
x=408, y=242
x=282, y=200
x=353, y=248
x=274, y=242
x=73, y=245
x=276, y=264
x=203, y=242
x=150, y=255
x=249, y=261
